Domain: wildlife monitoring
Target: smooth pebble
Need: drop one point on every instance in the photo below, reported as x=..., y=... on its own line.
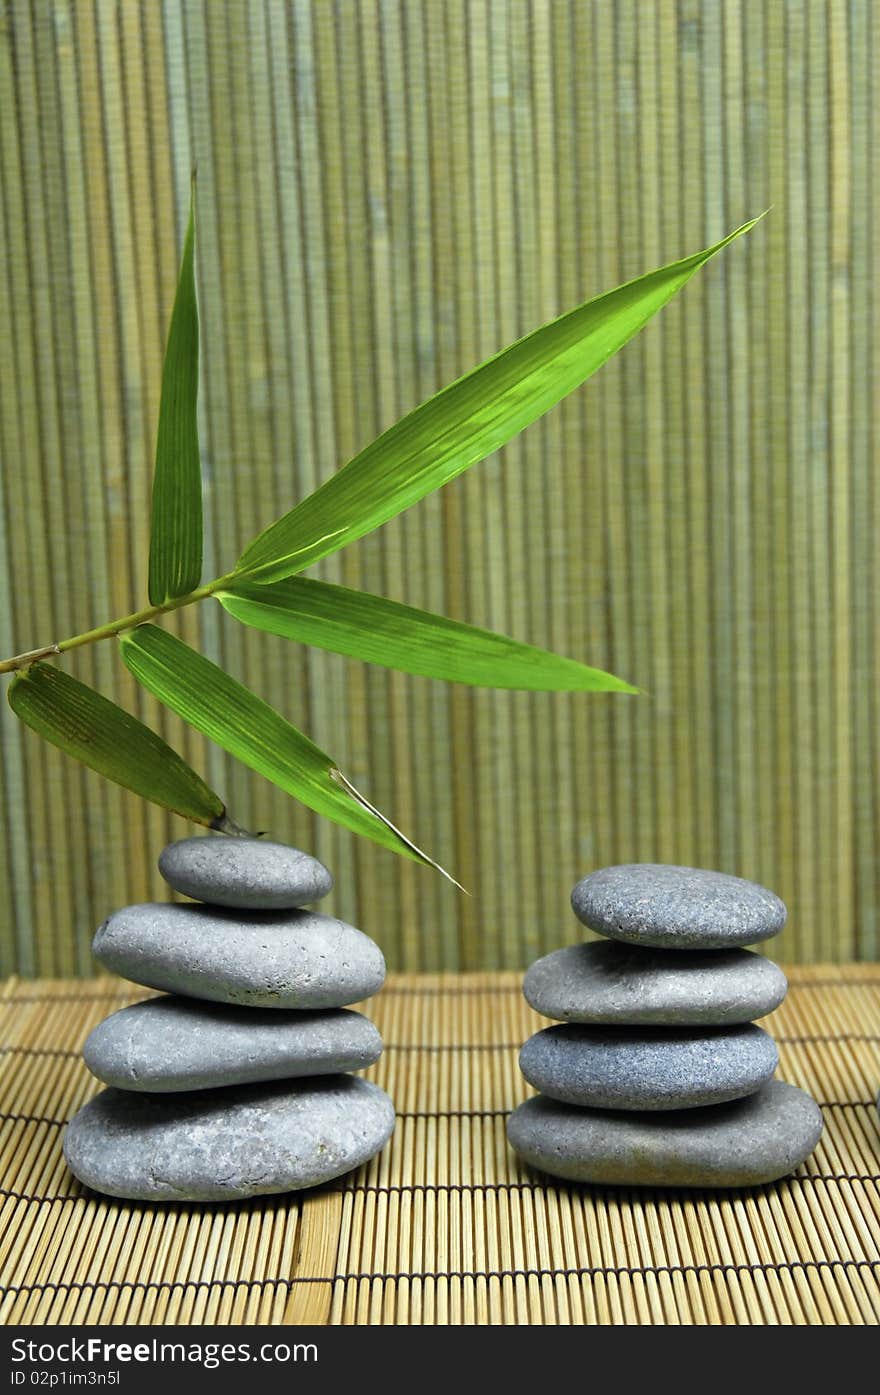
x=245, y=873
x=748, y=1143
x=618, y=984
x=169, y=1044
x=284, y=959
x=223, y=1145
x=648, y=1069
x=671, y=907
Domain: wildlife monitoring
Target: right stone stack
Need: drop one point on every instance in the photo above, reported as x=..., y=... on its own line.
x=659, y=1076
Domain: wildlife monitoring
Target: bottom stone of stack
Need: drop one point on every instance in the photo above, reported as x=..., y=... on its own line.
x=745, y=1143
x=227, y=1144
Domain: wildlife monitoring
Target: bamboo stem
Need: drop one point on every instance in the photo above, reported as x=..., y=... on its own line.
x=115, y=627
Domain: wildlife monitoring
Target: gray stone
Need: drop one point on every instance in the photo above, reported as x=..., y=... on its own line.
x=283, y=959
x=626, y=985
x=744, y=1144
x=226, y=1144
x=676, y=907
x=180, y=1044
x=248, y=874
x=648, y=1068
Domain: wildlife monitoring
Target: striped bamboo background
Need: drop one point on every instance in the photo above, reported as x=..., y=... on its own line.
x=389, y=190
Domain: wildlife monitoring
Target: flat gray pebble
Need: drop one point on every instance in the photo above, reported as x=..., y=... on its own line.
x=227, y=1144
x=285, y=959
x=626, y=985
x=648, y=1068
x=668, y=907
x=745, y=1144
x=248, y=874
x=180, y=1044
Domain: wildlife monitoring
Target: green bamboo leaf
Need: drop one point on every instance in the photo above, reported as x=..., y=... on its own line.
x=380, y=631
x=90, y=727
x=464, y=423
x=252, y=731
x=176, y=538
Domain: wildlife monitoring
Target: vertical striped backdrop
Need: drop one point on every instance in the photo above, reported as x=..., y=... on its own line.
x=389, y=191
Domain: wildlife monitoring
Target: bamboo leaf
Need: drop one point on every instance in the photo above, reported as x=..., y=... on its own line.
x=252, y=731
x=90, y=727
x=176, y=537
x=464, y=423
x=380, y=631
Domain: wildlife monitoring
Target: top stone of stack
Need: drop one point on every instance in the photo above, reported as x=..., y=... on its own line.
x=667, y=907
x=248, y=874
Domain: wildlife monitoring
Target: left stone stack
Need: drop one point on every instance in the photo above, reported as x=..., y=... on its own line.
x=236, y=1083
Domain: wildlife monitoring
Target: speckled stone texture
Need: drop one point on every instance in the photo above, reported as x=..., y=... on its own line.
x=744, y=1144
x=286, y=959
x=649, y=1069
x=250, y=874
x=627, y=985
x=224, y=1145
x=170, y=1044
x=670, y=907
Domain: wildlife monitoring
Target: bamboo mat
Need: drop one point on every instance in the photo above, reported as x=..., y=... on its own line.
x=446, y=1227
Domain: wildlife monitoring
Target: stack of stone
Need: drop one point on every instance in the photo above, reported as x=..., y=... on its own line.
x=237, y=1083
x=659, y=1076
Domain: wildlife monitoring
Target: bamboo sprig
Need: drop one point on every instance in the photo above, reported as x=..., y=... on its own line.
x=459, y=426
x=115, y=628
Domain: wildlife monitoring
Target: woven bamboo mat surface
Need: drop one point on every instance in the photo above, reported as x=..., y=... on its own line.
x=446, y=1226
